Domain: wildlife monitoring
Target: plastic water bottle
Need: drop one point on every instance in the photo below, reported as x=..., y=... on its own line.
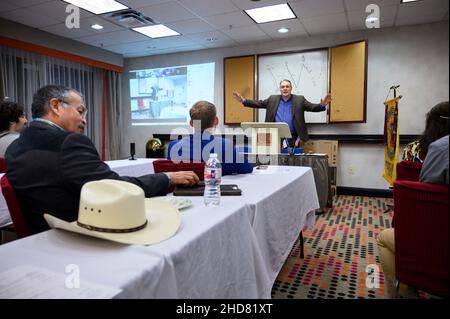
x=213, y=177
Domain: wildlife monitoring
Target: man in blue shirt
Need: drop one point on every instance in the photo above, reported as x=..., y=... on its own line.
x=288, y=108
x=198, y=146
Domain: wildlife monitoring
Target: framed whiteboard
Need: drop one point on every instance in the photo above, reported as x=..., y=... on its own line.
x=307, y=71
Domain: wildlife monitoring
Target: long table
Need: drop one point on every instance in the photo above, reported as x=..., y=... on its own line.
x=233, y=251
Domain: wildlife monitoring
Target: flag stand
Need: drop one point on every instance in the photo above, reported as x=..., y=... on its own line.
x=387, y=138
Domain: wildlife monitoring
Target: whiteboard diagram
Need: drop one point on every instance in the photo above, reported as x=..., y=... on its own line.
x=307, y=71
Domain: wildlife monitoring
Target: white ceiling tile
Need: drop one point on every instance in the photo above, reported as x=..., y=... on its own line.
x=417, y=20
x=98, y=40
x=167, y=12
x=356, y=18
x=127, y=36
x=246, y=33
x=162, y=51
x=152, y=44
x=294, y=26
x=315, y=8
x=62, y=30
x=28, y=18
x=165, y=43
x=207, y=8
x=190, y=26
x=107, y=26
x=290, y=34
x=202, y=37
x=423, y=8
x=221, y=44
x=137, y=54
x=122, y=48
x=360, y=5
x=235, y=19
x=326, y=24
x=26, y=3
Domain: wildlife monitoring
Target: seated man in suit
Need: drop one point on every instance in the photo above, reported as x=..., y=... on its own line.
x=50, y=161
x=198, y=146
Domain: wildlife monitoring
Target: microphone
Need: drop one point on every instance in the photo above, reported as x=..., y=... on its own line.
x=394, y=87
x=132, y=151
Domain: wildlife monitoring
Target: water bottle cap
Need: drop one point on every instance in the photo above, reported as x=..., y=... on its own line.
x=213, y=155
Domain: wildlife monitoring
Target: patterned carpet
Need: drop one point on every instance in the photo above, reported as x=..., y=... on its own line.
x=337, y=252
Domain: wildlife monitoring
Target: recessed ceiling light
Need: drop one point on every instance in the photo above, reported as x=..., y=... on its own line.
x=406, y=1
x=97, y=26
x=98, y=6
x=156, y=31
x=271, y=13
x=283, y=30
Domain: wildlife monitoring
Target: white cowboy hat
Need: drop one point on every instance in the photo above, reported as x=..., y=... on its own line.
x=117, y=211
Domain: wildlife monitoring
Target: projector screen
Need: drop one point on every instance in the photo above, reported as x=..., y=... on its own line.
x=164, y=96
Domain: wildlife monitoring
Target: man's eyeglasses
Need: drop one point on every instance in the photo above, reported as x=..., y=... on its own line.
x=81, y=109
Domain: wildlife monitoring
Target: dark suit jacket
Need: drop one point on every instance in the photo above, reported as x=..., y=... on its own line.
x=48, y=166
x=299, y=106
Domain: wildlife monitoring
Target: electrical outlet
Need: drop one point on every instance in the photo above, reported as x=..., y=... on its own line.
x=351, y=169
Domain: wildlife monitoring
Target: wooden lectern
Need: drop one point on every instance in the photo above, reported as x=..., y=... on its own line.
x=266, y=136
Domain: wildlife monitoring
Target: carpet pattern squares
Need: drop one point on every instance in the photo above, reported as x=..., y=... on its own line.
x=337, y=253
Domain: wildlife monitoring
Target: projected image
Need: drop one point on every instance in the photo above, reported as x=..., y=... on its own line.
x=165, y=95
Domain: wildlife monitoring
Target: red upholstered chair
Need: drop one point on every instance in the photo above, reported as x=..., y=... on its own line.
x=169, y=166
x=408, y=171
x=2, y=165
x=15, y=211
x=421, y=236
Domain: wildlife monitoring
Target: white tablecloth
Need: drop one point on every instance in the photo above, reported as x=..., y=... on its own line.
x=139, y=167
x=233, y=251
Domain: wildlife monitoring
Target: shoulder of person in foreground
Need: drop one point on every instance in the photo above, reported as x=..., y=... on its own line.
x=435, y=166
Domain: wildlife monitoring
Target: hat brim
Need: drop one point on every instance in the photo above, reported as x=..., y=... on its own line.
x=163, y=221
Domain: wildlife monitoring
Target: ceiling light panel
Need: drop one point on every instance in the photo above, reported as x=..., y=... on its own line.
x=156, y=31
x=98, y=6
x=271, y=13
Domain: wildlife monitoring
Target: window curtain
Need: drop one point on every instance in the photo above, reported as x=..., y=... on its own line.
x=22, y=73
x=113, y=101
